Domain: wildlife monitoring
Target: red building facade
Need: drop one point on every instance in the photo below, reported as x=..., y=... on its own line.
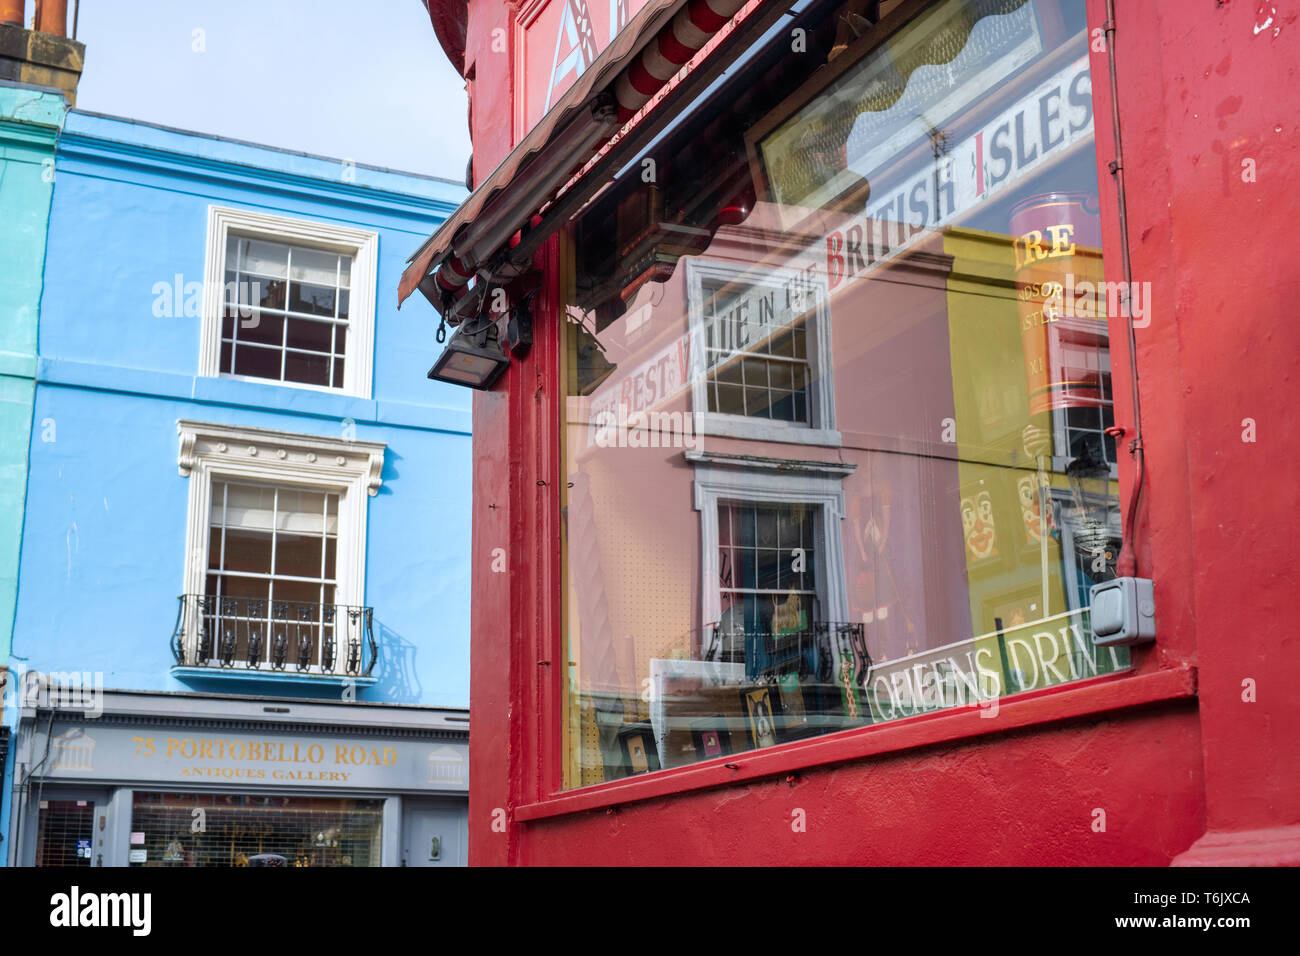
x=785, y=523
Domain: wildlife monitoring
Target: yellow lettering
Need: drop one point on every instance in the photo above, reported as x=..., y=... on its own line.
x=361, y=760
x=1033, y=241
x=315, y=753
x=172, y=744
x=189, y=748
x=390, y=756
x=1061, y=236
x=340, y=753
x=205, y=749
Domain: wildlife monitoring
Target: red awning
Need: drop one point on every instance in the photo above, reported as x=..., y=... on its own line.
x=662, y=37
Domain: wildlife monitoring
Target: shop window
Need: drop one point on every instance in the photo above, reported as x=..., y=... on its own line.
x=288, y=301
x=254, y=830
x=899, y=487
x=275, y=569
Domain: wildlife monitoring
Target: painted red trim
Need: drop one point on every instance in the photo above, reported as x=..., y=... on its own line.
x=1035, y=708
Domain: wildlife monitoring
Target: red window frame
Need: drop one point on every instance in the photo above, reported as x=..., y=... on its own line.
x=529, y=412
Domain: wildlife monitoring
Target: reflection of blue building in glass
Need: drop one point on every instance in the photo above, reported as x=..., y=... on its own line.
x=242, y=589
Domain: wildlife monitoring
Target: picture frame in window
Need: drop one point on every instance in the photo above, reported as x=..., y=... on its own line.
x=759, y=715
x=636, y=743
x=794, y=720
x=711, y=737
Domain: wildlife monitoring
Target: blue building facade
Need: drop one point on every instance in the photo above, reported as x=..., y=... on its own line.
x=241, y=633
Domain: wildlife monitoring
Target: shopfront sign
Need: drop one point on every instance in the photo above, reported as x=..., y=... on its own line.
x=89, y=750
x=1053, y=651
x=1018, y=141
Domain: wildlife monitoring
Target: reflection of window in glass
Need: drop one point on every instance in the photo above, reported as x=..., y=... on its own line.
x=286, y=312
x=1086, y=425
x=766, y=566
x=765, y=380
x=761, y=342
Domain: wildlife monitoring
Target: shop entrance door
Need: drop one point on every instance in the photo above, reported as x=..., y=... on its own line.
x=70, y=828
x=434, y=832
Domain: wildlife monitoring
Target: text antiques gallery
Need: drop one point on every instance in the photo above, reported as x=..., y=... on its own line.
x=189, y=780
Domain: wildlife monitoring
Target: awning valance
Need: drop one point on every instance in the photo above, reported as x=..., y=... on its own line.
x=662, y=38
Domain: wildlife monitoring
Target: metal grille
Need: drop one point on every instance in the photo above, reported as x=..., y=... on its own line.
x=254, y=830
x=62, y=824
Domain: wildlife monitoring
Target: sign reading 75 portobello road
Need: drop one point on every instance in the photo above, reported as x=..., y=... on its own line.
x=89, y=750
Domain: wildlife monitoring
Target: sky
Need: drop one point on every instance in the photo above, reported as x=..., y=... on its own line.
x=363, y=80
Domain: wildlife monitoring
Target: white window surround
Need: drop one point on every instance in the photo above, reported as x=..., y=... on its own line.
x=350, y=468
x=821, y=397
x=361, y=244
x=758, y=481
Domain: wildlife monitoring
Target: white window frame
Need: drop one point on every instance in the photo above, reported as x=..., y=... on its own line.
x=817, y=343
x=362, y=245
x=351, y=469
x=721, y=478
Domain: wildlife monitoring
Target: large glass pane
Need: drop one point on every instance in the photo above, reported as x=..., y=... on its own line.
x=840, y=458
x=253, y=830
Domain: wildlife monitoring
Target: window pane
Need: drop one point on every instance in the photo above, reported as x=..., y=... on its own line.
x=311, y=299
x=306, y=334
x=306, y=368
x=257, y=361
x=311, y=265
x=268, y=259
x=247, y=551
x=826, y=555
x=298, y=555
x=264, y=328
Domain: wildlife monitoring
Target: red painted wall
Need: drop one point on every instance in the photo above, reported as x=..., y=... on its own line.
x=1202, y=87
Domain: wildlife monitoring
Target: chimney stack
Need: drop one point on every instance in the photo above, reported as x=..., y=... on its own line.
x=45, y=56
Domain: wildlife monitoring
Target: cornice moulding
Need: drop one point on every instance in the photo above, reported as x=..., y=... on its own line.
x=323, y=456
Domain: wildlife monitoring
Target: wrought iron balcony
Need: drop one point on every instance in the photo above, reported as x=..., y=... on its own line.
x=254, y=634
x=810, y=652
